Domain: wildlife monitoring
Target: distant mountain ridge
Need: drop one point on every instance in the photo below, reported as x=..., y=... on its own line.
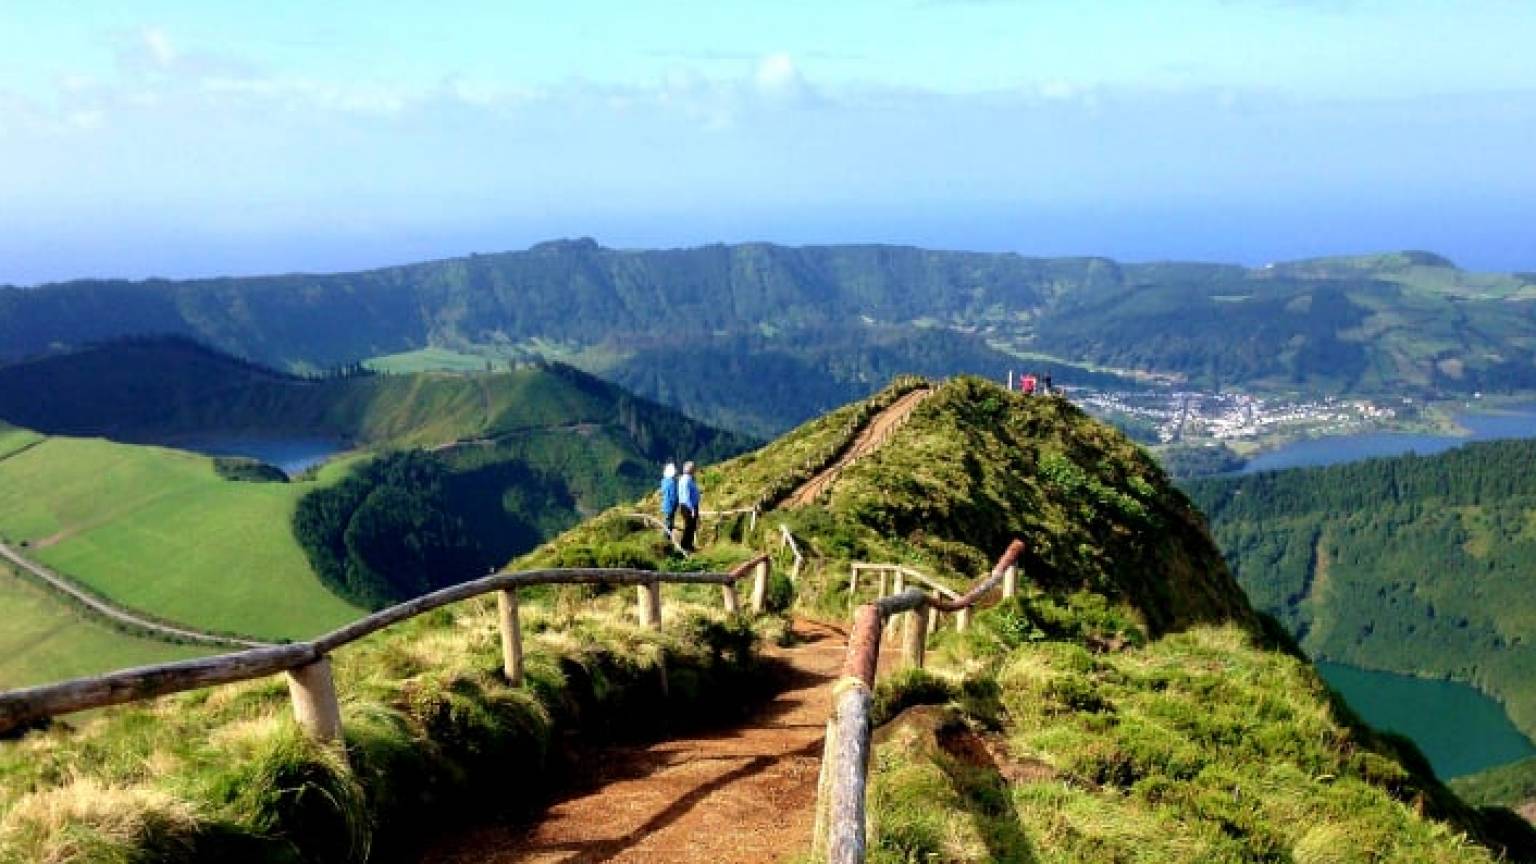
x=1394, y=322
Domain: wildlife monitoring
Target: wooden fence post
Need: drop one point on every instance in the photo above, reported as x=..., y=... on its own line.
x=916, y=637
x=511, y=637
x=1010, y=581
x=653, y=601
x=824, y=793
x=760, y=587
x=846, y=837
x=313, y=693
x=728, y=592
x=648, y=604
x=963, y=620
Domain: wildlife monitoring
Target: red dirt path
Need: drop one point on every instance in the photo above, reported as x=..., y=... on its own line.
x=869, y=439
x=737, y=796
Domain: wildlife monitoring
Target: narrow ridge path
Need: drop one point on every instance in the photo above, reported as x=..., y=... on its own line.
x=868, y=441
x=744, y=795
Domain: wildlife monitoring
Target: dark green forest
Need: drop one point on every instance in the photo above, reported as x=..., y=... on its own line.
x=388, y=532
x=1419, y=565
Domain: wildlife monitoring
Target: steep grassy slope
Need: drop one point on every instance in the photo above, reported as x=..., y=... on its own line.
x=1420, y=565
x=46, y=640
x=1385, y=323
x=161, y=532
x=1129, y=706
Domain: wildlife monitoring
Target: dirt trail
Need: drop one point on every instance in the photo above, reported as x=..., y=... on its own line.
x=736, y=796
x=869, y=440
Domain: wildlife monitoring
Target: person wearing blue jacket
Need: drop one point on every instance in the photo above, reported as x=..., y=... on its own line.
x=669, y=496
x=688, y=499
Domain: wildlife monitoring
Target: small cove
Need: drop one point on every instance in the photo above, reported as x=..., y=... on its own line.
x=1460, y=729
x=292, y=455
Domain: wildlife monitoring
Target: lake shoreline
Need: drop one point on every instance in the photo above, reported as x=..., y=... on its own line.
x=1435, y=713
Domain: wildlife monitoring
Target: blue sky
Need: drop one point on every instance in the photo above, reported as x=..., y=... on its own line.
x=180, y=138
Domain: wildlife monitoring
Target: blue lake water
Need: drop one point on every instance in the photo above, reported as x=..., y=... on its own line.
x=1516, y=422
x=1461, y=730
x=293, y=455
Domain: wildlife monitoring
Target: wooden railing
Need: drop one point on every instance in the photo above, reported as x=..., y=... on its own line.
x=307, y=664
x=899, y=575
x=787, y=541
x=840, y=832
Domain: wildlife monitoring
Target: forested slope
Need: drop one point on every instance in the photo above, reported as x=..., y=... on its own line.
x=1421, y=565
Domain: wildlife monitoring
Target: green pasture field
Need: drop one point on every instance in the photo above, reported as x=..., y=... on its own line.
x=429, y=360
x=45, y=640
x=160, y=532
x=13, y=440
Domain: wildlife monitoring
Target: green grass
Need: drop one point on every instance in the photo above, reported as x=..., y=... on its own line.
x=44, y=639
x=13, y=440
x=160, y=532
x=430, y=360
x=434, y=736
x=1200, y=746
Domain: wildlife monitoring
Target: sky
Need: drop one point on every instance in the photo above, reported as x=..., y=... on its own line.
x=159, y=138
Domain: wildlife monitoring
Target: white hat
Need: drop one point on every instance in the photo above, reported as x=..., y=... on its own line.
x=669, y=471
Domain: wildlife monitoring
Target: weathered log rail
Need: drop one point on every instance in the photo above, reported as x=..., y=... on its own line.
x=307, y=664
x=900, y=574
x=840, y=832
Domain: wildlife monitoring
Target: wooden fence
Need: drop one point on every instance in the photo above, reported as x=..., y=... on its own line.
x=840, y=832
x=308, y=666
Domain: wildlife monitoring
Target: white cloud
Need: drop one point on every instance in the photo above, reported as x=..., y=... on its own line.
x=158, y=47
x=778, y=77
x=777, y=72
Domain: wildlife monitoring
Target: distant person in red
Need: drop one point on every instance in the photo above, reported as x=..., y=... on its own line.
x=1028, y=385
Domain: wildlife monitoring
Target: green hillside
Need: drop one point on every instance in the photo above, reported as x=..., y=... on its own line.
x=44, y=639
x=1512, y=785
x=1131, y=703
x=810, y=326
x=161, y=532
x=177, y=537
x=1420, y=565
x=157, y=390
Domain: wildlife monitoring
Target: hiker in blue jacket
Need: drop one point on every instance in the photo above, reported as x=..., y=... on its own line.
x=669, y=496
x=688, y=498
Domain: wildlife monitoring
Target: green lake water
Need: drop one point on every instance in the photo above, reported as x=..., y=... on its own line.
x=1460, y=729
